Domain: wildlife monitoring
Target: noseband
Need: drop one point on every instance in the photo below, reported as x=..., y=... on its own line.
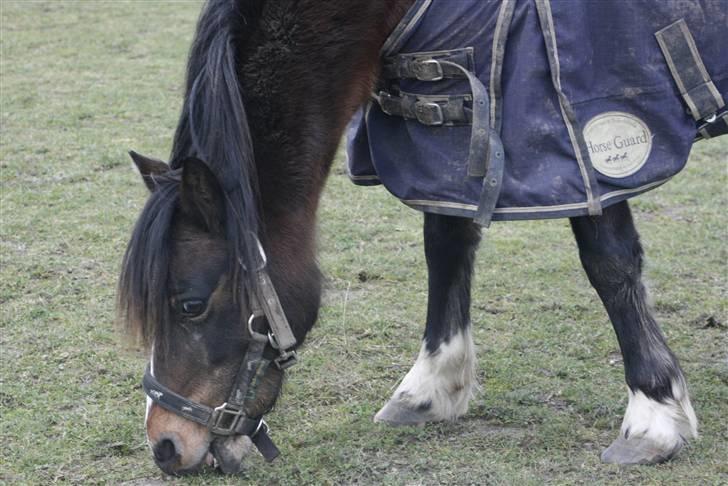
x=232, y=417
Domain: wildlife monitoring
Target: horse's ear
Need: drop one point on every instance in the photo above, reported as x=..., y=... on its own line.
x=148, y=168
x=201, y=197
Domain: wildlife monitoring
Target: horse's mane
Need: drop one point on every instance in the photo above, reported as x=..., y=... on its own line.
x=213, y=127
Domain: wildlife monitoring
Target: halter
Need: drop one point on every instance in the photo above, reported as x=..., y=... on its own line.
x=232, y=418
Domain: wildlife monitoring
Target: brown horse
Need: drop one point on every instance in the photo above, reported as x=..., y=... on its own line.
x=220, y=278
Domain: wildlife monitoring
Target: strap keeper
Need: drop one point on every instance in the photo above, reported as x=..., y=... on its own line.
x=389, y=104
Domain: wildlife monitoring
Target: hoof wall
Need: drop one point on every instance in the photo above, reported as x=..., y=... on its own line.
x=397, y=413
x=638, y=450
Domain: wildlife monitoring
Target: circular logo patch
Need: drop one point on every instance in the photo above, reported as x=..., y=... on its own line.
x=619, y=143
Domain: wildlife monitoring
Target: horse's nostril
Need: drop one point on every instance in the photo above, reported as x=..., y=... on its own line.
x=164, y=452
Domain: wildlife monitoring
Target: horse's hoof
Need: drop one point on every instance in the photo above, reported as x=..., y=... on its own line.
x=639, y=450
x=398, y=413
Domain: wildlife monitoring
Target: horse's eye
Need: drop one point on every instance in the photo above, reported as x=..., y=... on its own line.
x=193, y=307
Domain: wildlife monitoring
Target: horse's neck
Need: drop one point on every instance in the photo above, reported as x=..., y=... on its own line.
x=303, y=77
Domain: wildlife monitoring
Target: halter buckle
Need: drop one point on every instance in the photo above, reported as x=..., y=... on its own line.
x=286, y=359
x=225, y=419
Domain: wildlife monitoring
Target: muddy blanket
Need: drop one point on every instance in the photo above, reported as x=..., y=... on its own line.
x=594, y=102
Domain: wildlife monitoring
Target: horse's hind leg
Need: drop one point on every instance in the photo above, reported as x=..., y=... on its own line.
x=440, y=384
x=659, y=417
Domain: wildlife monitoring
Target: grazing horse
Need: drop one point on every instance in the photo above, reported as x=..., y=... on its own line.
x=220, y=279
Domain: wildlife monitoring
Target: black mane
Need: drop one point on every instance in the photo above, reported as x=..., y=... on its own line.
x=142, y=295
x=212, y=127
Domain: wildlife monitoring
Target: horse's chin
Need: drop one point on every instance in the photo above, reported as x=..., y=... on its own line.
x=228, y=453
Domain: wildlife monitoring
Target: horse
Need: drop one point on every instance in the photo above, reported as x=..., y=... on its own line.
x=219, y=279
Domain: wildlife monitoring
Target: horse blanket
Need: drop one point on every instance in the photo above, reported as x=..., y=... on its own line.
x=528, y=109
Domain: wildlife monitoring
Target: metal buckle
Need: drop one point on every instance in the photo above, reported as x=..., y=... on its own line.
x=429, y=113
x=225, y=419
x=710, y=121
x=286, y=359
x=428, y=70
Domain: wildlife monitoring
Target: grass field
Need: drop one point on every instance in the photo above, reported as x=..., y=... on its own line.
x=83, y=82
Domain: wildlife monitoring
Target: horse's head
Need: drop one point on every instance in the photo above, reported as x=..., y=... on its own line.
x=178, y=291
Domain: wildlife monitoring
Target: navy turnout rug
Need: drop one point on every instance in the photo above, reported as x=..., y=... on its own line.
x=526, y=109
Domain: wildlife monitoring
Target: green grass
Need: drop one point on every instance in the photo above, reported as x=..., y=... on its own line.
x=83, y=82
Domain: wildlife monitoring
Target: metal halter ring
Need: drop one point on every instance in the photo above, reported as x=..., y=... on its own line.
x=257, y=336
x=273, y=341
x=269, y=337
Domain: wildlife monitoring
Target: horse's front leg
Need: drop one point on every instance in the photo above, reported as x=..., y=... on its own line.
x=659, y=417
x=440, y=384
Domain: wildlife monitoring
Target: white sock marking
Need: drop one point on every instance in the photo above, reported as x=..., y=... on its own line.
x=666, y=424
x=445, y=378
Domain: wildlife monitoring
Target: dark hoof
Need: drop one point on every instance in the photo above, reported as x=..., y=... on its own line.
x=639, y=450
x=398, y=413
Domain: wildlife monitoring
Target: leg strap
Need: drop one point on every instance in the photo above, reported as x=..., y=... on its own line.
x=692, y=79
